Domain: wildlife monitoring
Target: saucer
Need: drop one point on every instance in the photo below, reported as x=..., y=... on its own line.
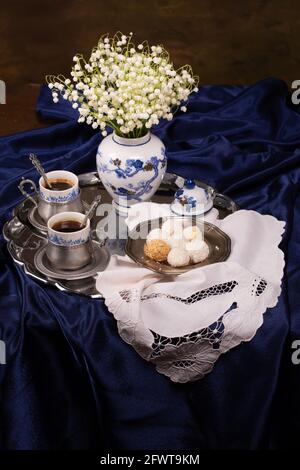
x=98, y=262
x=36, y=220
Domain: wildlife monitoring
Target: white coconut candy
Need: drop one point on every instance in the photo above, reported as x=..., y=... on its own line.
x=200, y=253
x=192, y=232
x=194, y=245
x=171, y=226
x=187, y=222
x=175, y=242
x=155, y=234
x=178, y=257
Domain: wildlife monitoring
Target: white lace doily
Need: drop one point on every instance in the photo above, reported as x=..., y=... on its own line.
x=183, y=323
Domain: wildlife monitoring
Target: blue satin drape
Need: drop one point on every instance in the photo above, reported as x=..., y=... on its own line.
x=70, y=382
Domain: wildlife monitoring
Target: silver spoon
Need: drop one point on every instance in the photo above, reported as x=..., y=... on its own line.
x=37, y=164
x=91, y=210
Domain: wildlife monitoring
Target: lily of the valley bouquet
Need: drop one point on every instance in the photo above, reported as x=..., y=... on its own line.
x=125, y=87
x=129, y=89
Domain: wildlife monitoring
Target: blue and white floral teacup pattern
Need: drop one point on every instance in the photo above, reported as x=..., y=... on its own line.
x=70, y=239
x=59, y=197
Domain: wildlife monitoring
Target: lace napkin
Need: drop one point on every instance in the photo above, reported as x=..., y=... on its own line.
x=182, y=324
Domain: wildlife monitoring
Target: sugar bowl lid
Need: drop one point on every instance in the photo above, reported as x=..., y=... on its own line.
x=191, y=199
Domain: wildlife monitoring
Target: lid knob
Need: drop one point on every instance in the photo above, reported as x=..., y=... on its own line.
x=189, y=183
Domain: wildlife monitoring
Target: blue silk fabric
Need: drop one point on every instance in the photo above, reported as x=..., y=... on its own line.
x=70, y=381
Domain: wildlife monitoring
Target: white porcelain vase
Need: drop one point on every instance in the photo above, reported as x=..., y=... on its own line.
x=131, y=170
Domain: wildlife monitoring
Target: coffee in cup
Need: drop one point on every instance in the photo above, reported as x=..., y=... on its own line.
x=58, y=184
x=67, y=226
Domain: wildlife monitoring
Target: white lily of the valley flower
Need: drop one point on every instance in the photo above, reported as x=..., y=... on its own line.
x=125, y=87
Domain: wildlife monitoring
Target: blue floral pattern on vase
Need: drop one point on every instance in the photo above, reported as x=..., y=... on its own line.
x=57, y=240
x=61, y=199
x=133, y=167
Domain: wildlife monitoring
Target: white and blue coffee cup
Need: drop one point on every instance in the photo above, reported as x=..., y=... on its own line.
x=69, y=250
x=51, y=201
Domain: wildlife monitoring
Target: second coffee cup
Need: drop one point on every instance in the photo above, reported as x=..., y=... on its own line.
x=69, y=245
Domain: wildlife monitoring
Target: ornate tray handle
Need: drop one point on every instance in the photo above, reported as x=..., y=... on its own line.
x=33, y=187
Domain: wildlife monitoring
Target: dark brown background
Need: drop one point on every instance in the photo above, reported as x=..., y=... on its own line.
x=229, y=41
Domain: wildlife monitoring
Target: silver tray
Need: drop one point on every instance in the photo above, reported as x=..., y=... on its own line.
x=25, y=239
